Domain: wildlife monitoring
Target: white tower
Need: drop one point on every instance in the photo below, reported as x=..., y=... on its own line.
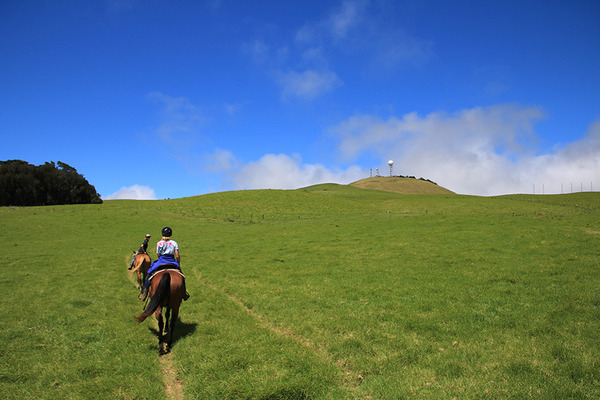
x=391, y=163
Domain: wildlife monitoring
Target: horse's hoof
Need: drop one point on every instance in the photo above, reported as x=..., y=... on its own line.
x=163, y=349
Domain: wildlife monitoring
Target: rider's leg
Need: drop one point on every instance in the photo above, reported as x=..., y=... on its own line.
x=186, y=295
x=149, y=273
x=146, y=286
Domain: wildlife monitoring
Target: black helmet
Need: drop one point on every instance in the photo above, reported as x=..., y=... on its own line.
x=167, y=232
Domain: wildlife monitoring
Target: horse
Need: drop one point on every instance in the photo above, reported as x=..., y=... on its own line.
x=166, y=291
x=141, y=264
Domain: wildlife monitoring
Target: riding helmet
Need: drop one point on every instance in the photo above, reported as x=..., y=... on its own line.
x=167, y=232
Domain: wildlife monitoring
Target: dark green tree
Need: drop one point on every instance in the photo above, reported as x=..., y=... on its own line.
x=23, y=184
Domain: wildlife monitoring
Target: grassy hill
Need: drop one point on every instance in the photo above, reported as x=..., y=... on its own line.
x=326, y=292
x=405, y=185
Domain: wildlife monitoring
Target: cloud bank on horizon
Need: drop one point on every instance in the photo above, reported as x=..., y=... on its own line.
x=481, y=151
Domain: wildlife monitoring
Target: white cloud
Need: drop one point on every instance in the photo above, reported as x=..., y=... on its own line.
x=345, y=18
x=314, y=79
x=308, y=84
x=180, y=120
x=304, y=66
x=135, y=192
x=480, y=151
x=336, y=26
x=394, y=48
x=578, y=163
x=280, y=171
x=472, y=131
x=355, y=27
x=221, y=160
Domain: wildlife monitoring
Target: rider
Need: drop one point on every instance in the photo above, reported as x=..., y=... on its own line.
x=168, y=254
x=141, y=250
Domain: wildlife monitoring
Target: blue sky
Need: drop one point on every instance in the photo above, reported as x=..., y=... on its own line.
x=168, y=99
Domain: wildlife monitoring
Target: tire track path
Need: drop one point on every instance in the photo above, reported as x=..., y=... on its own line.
x=351, y=379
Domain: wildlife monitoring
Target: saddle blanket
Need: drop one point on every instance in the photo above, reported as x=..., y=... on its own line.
x=166, y=269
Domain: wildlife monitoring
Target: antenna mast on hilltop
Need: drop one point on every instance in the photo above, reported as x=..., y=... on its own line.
x=391, y=163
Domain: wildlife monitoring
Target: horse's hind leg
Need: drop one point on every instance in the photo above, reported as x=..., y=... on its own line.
x=168, y=328
x=161, y=326
x=167, y=320
x=174, y=316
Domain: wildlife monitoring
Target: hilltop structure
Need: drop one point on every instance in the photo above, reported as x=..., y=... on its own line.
x=401, y=184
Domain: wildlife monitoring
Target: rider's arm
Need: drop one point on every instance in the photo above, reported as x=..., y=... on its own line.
x=177, y=256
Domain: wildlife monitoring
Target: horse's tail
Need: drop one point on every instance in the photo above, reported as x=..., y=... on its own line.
x=162, y=291
x=138, y=262
x=136, y=266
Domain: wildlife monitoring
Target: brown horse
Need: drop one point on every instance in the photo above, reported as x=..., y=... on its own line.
x=141, y=264
x=166, y=291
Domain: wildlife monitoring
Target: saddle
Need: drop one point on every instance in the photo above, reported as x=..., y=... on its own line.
x=165, y=267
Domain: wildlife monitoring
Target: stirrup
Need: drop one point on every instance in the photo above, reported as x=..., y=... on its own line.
x=186, y=296
x=143, y=295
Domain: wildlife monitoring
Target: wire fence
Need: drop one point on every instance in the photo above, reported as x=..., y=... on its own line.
x=564, y=188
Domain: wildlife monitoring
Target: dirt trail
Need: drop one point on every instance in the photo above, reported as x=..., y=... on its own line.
x=173, y=385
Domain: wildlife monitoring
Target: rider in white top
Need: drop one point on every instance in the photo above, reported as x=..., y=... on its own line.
x=168, y=254
x=167, y=247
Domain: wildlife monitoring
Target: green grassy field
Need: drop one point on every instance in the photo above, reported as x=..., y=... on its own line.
x=327, y=292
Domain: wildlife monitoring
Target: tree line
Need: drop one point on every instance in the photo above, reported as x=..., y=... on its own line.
x=24, y=184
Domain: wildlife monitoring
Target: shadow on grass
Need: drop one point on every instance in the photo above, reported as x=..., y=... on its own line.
x=182, y=330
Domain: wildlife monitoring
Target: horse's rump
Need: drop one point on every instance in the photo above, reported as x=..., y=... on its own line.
x=158, y=295
x=164, y=292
